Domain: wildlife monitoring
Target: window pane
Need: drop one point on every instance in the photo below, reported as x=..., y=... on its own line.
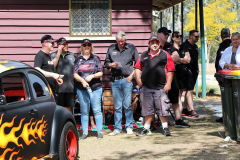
x=39, y=88
x=90, y=17
x=12, y=86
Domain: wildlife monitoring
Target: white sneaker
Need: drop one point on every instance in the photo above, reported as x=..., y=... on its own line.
x=115, y=132
x=129, y=131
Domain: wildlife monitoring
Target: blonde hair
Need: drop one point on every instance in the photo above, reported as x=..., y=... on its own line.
x=82, y=51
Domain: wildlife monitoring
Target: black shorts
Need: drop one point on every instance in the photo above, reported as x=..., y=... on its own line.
x=187, y=82
x=174, y=92
x=66, y=99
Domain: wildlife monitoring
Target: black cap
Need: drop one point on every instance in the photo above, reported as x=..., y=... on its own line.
x=153, y=38
x=225, y=32
x=47, y=38
x=62, y=41
x=86, y=41
x=164, y=30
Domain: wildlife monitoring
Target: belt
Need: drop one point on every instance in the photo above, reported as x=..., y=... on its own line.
x=119, y=77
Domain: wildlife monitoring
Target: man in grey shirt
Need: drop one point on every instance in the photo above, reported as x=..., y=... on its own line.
x=120, y=59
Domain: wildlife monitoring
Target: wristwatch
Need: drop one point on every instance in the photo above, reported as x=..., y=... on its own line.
x=133, y=76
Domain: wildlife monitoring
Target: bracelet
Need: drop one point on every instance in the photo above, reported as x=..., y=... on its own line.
x=58, y=78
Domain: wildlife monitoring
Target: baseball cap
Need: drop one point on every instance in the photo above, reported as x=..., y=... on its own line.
x=225, y=32
x=86, y=41
x=47, y=38
x=62, y=41
x=153, y=38
x=164, y=30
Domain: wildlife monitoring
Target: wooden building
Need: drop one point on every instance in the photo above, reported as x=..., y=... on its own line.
x=24, y=22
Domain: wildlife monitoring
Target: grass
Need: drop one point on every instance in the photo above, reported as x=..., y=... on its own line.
x=210, y=89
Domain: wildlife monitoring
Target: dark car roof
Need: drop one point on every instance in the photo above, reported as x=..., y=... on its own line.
x=6, y=65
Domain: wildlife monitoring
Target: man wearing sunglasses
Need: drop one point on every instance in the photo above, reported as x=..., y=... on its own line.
x=173, y=94
x=65, y=66
x=45, y=64
x=190, y=77
x=120, y=58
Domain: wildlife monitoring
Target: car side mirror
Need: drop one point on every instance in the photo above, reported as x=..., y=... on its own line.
x=3, y=100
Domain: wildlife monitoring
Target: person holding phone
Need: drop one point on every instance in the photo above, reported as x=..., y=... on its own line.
x=87, y=72
x=64, y=68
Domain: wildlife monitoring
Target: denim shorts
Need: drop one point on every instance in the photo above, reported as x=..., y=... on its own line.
x=151, y=98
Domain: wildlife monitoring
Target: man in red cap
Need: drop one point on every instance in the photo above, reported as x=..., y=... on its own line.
x=154, y=72
x=45, y=64
x=65, y=67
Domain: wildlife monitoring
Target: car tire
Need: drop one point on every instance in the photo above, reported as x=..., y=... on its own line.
x=68, y=146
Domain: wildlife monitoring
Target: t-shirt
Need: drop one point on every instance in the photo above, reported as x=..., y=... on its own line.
x=169, y=48
x=43, y=61
x=193, y=51
x=65, y=67
x=85, y=67
x=154, y=69
x=126, y=58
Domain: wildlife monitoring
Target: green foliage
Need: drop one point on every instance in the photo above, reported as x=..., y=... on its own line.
x=210, y=89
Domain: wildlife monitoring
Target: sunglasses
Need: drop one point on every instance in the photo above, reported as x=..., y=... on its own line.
x=177, y=36
x=166, y=34
x=88, y=44
x=196, y=36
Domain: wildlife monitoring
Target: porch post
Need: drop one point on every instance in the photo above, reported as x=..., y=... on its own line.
x=173, y=19
x=196, y=27
x=202, y=49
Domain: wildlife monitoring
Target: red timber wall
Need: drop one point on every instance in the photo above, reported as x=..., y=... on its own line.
x=24, y=22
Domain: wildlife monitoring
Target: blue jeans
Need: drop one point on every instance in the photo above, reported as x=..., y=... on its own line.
x=122, y=96
x=85, y=101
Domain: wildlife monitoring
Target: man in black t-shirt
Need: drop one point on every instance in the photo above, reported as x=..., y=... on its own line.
x=65, y=66
x=190, y=75
x=44, y=64
x=226, y=42
x=173, y=94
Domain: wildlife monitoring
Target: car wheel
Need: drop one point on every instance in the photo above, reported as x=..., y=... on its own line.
x=68, y=146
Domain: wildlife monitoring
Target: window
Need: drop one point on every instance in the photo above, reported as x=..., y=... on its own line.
x=90, y=18
x=39, y=88
x=12, y=86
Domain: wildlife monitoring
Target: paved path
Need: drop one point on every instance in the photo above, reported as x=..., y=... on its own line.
x=210, y=80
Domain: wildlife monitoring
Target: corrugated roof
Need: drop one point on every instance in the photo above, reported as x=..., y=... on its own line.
x=161, y=5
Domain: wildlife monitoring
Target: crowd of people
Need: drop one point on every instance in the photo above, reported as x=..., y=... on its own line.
x=162, y=73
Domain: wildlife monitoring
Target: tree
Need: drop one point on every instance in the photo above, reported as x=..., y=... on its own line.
x=217, y=15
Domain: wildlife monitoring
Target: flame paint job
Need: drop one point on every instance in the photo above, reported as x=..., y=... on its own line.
x=28, y=129
x=6, y=65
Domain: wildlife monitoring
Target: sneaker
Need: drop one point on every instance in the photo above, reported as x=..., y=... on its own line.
x=100, y=136
x=185, y=112
x=144, y=132
x=166, y=132
x=181, y=124
x=193, y=113
x=129, y=131
x=114, y=133
x=84, y=136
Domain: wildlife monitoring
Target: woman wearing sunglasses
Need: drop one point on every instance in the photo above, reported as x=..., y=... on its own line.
x=176, y=39
x=87, y=72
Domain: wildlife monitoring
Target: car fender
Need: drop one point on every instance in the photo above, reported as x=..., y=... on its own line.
x=61, y=116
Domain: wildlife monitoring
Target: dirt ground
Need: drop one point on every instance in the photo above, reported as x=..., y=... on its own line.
x=200, y=141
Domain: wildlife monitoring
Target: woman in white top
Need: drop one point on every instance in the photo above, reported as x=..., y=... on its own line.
x=231, y=56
